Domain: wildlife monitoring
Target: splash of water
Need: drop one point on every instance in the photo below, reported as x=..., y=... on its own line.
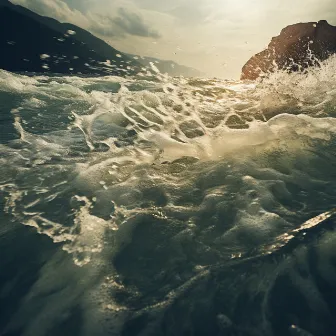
x=168, y=175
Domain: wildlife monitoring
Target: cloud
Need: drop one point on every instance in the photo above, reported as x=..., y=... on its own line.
x=188, y=14
x=204, y=34
x=125, y=23
x=134, y=24
x=57, y=9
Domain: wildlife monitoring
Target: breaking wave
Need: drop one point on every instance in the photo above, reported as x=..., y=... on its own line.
x=172, y=206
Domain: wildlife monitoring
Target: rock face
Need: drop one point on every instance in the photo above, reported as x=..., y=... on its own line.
x=297, y=47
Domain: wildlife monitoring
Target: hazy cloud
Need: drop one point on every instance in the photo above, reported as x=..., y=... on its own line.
x=56, y=9
x=215, y=36
x=134, y=24
x=125, y=23
x=119, y=23
x=188, y=14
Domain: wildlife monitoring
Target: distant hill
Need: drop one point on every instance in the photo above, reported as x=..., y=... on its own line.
x=170, y=67
x=33, y=43
x=30, y=42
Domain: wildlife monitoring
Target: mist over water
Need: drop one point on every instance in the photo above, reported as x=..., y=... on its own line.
x=169, y=206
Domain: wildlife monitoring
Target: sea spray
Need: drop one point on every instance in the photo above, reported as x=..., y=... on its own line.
x=167, y=195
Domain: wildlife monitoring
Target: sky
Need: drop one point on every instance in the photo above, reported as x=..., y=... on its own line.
x=216, y=37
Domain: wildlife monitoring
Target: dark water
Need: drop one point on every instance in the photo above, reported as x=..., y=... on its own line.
x=160, y=206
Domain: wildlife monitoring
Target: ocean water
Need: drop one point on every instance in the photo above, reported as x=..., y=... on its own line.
x=168, y=206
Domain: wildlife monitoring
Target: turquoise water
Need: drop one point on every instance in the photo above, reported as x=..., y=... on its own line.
x=168, y=206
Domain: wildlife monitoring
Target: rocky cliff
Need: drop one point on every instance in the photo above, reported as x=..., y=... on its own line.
x=296, y=48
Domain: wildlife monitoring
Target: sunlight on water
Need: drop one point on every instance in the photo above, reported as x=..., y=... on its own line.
x=142, y=180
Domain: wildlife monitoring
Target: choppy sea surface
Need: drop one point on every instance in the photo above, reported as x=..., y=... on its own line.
x=168, y=206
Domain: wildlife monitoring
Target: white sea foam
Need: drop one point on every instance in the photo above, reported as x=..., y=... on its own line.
x=206, y=120
x=161, y=171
